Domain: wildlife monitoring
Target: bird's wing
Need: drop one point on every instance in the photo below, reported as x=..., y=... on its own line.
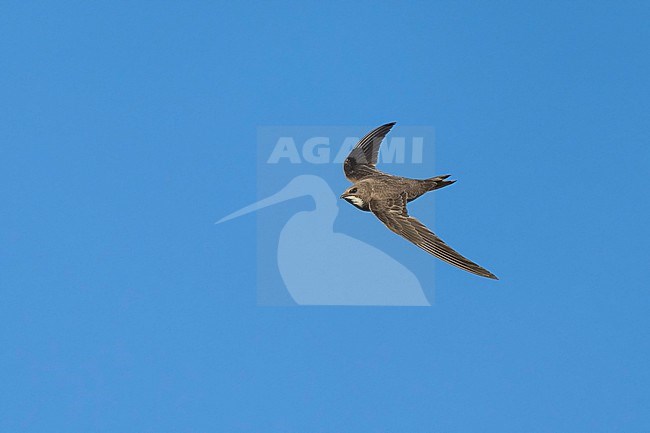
x=363, y=158
x=393, y=213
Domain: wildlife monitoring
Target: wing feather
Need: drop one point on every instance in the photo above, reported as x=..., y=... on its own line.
x=393, y=213
x=362, y=159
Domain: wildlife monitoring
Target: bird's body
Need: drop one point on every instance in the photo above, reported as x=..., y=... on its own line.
x=386, y=197
x=383, y=186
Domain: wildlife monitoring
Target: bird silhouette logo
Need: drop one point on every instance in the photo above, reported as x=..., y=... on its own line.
x=309, y=252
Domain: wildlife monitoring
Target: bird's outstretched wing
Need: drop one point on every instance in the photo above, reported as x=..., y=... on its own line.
x=363, y=158
x=392, y=212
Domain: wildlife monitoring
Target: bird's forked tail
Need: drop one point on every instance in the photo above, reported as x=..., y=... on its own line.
x=438, y=182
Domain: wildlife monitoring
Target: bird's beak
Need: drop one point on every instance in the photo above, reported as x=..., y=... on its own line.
x=283, y=195
x=344, y=195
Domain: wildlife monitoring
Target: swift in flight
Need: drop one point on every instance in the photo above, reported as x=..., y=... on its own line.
x=386, y=197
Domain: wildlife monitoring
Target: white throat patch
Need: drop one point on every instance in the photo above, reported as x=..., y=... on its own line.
x=356, y=201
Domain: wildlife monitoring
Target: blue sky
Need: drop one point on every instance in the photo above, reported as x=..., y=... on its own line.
x=127, y=129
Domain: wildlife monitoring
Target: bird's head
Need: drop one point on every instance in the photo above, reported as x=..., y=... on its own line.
x=358, y=195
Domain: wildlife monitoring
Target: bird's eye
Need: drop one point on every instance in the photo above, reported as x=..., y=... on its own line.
x=353, y=190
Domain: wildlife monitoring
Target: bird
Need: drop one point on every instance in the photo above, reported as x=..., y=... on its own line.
x=386, y=196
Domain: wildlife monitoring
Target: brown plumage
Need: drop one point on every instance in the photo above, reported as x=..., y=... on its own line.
x=386, y=197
